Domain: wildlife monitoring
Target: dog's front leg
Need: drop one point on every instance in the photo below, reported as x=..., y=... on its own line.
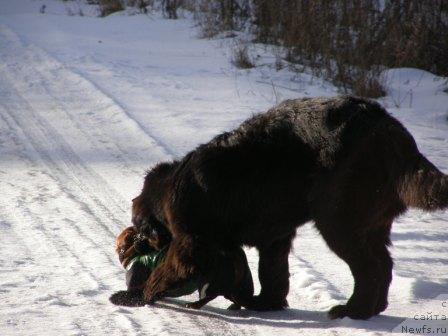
x=158, y=283
x=177, y=267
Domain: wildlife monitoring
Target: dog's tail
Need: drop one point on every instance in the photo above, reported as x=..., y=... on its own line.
x=424, y=186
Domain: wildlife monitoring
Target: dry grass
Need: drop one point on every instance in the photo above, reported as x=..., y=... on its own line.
x=241, y=58
x=369, y=85
x=341, y=39
x=108, y=7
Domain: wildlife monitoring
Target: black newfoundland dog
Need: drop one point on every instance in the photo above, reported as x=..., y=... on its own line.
x=343, y=163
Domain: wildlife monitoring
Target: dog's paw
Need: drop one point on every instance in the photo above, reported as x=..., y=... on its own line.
x=194, y=305
x=336, y=312
x=381, y=306
x=234, y=306
x=260, y=303
x=127, y=299
x=341, y=311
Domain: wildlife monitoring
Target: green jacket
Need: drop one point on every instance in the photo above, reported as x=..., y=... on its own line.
x=154, y=259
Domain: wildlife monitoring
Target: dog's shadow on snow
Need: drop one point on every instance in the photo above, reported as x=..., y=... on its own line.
x=289, y=318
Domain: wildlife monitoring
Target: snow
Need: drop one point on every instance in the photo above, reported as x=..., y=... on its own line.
x=88, y=104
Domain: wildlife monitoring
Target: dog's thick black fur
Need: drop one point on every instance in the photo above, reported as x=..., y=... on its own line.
x=342, y=162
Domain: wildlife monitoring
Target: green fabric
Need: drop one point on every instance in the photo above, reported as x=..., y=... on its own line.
x=152, y=260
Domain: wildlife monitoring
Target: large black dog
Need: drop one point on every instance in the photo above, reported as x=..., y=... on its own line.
x=343, y=163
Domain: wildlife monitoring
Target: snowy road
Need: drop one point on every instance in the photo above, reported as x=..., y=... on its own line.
x=88, y=104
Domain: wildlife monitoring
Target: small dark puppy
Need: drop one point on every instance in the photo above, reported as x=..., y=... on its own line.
x=140, y=253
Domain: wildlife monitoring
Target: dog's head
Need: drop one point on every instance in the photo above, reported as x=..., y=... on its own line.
x=147, y=208
x=152, y=235
x=149, y=202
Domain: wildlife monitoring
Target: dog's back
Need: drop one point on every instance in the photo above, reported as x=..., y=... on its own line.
x=299, y=151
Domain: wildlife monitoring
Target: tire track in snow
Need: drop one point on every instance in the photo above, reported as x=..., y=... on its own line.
x=169, y=153
x=51, y=133
x=32, y=225
x=62, y=162
x=63, y=169
x=64, y=165
x=89, y=119
x=89, y=93
x=78, y=88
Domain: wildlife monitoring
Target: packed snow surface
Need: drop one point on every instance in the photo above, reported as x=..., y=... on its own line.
x=88, y=104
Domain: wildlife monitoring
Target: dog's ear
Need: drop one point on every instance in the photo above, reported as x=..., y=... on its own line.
x=125, y=238
x=137, y=213
x=124, y=244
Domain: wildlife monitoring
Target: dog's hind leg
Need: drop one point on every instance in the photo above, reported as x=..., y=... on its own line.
x=174, y=270
x=378, y=242
x=243, y=292
x=354, y=250
x=187, y=258
x=273, y=273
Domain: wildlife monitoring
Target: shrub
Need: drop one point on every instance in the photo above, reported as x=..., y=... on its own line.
x=108, y=7
x=342, y=39
x=241, y=58
x=215, y=16
x=369, y=84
